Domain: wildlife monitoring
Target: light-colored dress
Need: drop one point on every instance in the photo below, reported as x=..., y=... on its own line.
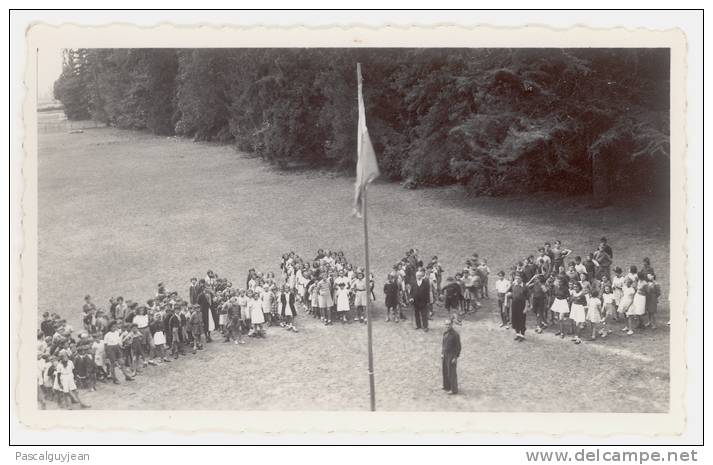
x=267, y=298
x=594, y=309
x=342, y=300
x=41, y=369
x=66, y=376
x=324, y=294
x=255, y=310
x=627, y=299
x=609, y=304
x=638, y=306
x=314, y=295
x=243, y=303
x=359, y=288
x=159, y=338
x=578, y=313
x=617, y=287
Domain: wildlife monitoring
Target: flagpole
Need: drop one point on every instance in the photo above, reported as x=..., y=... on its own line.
x=367, y=276
x=372, y=394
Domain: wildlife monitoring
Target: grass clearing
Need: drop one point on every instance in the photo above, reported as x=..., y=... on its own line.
x=120, y=211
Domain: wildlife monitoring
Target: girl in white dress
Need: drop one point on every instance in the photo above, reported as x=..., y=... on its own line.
x=627, y=299
x=608, y=305
x=594, y=314
x=638, y=306
x=65, y=369
x=359, y=290
x=267, y=299
x=257, y=317
x=342, y=296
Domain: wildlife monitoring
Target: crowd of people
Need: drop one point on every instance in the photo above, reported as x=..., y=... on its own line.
x=573, y=293
x=329, y=286
x=568, y=293
x=129, y=336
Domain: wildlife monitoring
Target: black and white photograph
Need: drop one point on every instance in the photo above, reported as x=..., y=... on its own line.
x=391, y=228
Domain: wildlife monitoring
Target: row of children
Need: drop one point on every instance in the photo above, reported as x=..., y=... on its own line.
x=332, y=288
x=130, y=336
x=576, y=294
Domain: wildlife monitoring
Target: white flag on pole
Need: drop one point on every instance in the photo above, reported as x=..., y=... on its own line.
x=367, y=169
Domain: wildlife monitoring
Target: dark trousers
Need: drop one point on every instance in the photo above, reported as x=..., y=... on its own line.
x=420, y=314
x=450, y=375
x=205, y=314
x=517, y=309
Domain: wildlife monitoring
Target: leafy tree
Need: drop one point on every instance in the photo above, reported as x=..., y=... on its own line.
x=495, y=120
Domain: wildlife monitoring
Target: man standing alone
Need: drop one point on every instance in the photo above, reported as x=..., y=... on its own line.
x=421, y=297
x=450, y=352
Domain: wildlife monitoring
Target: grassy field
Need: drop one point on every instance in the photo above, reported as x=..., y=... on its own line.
x=120, y=211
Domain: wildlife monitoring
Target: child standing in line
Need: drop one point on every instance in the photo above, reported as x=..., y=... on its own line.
x=637, y=309
x=257, y=316
x=359, y=287
x=342, y=297
x=172, y=328
x=135, y=351
x=484, y=272
x=502, y=286
x=653, y=292
x=276, y=314
x=608, y=306
x=391, y=297
x=98, y=347
x=324, y=299
x=288, y=312
x=266, y=298
x=560, y=306
x=578, y=312
x=471, y=282
x=244, y=313
x=617, y=283
x=594, y=315
x=141, y=320
x=159, y=337
x=627, y=298
x=196, y=324
x=233, y=330
x=313, y=292
x=223, y=317
x=65, y=368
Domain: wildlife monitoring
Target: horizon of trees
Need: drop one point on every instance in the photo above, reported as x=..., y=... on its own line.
x=497, y=121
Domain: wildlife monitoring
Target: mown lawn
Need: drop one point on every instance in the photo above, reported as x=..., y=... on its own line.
x=120, y=211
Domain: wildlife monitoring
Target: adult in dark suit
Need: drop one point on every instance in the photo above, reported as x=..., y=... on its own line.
x=193, y=291
x=420, y=298
x=205, y=300
x=450, y=351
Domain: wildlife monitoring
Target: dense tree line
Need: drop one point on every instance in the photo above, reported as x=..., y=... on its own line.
x=496, y=120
